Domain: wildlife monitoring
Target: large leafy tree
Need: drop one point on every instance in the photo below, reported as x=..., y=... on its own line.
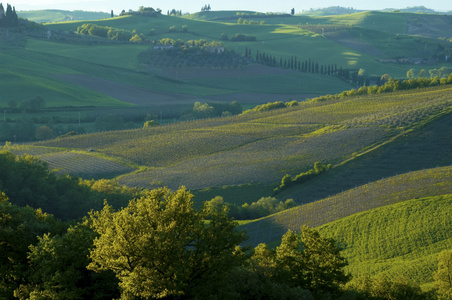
x=159, y=246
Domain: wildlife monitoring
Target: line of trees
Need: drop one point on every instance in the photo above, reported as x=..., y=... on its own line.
x=9, y=17
x=294, y=63
x=390, y=85
x=110, y=33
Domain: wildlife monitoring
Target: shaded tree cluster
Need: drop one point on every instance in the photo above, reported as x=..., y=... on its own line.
x=28, y=182
x=8, y=17
x=261, y=208
x=110, y=33
x=389, y=85
x=288, y=181
x=206, y=8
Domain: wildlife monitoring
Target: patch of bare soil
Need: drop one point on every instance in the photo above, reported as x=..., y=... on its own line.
x=346, y=39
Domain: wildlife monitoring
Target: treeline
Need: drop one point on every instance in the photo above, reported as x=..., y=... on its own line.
x=288, y=181
x=391, y=85
x=261, y=208
x=212, y=110
x=168, y=52
x=271, y=106
x=9, y=17
x=296, y=64
x=110, y=33
x=238, y=37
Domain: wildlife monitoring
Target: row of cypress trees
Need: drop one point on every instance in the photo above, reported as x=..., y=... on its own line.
x=9, y=17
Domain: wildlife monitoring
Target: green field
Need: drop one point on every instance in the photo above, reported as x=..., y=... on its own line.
x=403, y=239
x=413, y=185
x=259, y=148
x=54, y=15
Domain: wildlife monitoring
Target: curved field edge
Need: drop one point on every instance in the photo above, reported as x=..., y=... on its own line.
x=402, y=239
x=84, y=164
x=412, y=185
x=283, y=141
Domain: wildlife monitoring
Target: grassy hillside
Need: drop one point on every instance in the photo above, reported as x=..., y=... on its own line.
x=54, y=15
x=260, y=148
x=380, y=193
x=349, y=41
x=403, y=239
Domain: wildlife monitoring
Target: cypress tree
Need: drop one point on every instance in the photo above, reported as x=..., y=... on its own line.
x=2, y=15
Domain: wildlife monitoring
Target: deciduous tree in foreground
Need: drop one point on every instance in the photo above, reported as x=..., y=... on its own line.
x=160, y=246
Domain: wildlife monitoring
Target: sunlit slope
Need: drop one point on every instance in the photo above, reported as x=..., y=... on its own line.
x=262, y=147
x=24, y=77
x=282, y=38
x=403, y=239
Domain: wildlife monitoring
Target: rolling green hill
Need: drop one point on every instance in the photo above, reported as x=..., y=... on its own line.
x=259, y=148
x=54, y=15
x=384, y=192
x=403, y=239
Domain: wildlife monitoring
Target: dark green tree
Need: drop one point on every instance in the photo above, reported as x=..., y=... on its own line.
x=443, y=276
x=159, y=246
x=19, y=228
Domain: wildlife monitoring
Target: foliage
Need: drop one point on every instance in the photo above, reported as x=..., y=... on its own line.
x=19, y=228
x=110, y=33
x=287, y=140
x=443, y=276
x=240, y=37
x=261, y=208
x=150, y=123
x=390, y=85
x=8, y=17
x=58, y=268
x=287, y=180
x=308, y=261
x=419, y=184
x=27, y=181
x=158, y=245
x=383, y=287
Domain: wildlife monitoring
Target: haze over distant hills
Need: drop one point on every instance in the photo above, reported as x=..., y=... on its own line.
x=61, y=15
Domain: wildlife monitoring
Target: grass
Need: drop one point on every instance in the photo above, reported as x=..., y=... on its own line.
x=413, y=185
x=54, y=15
x=402, y=239
x=25, y=78
x=259, y=148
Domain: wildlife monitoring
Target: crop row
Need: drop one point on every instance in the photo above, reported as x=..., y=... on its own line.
x=413, y=185
x=262, y=146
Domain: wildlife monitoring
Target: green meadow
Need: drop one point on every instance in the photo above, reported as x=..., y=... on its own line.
x=402, y=239
x=385, y=196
